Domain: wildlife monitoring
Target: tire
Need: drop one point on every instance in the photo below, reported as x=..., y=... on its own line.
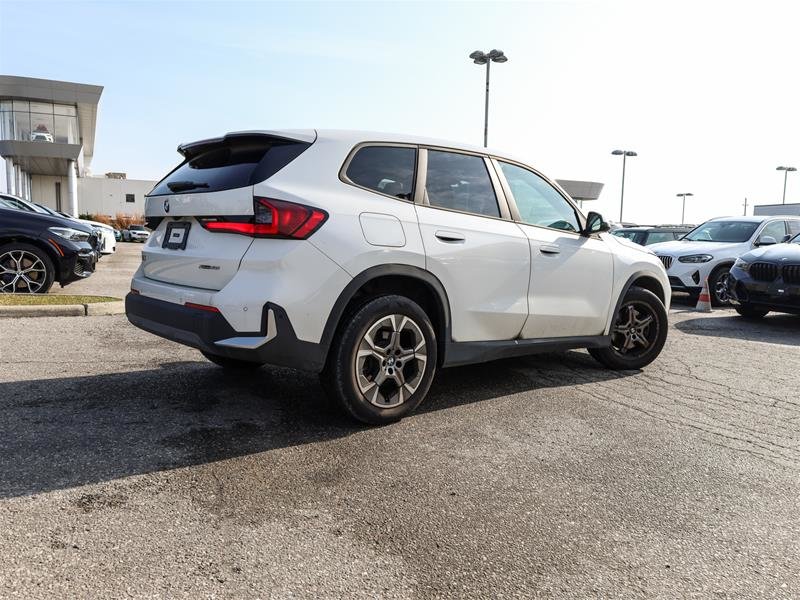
x=380, y=332
x=233, y=364
x=748, y=311
x=717, y=286
x=36, y=275
x=629, y=351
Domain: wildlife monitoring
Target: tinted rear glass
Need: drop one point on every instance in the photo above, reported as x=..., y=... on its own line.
x=229, y=165
x=385, y=169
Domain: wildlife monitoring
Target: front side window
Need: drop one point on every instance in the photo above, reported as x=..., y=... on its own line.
x=733, y=232
x=460, y=182
x=385, y=169
x=776, y=230
x=538, y=202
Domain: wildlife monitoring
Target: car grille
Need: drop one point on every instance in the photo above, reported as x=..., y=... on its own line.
x=791, y=273
x=764, y=271
x=666, y=261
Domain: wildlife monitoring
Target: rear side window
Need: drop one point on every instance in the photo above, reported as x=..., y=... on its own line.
x=656, y=237
x=232, y=164
x=385, y=169
x=460, y=182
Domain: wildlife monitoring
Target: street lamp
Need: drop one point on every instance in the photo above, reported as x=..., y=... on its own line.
x=487, y=58
x=683, y=210
x=786, y=171
x=624, y=154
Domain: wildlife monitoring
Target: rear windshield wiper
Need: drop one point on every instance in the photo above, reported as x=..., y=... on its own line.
x=182, y=186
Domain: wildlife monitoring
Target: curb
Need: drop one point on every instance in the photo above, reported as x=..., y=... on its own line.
x=64, y=310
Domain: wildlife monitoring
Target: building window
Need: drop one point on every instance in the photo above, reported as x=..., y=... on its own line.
x=130, y=198
x=31, y=121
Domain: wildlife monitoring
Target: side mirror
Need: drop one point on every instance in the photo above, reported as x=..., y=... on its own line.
x=766, y=240
x=786, y=238
x=595, y=224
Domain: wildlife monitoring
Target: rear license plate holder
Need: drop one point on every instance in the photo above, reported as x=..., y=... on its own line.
x=177, y=235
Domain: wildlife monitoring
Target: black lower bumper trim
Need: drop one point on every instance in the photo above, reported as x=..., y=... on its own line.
x=201, y=329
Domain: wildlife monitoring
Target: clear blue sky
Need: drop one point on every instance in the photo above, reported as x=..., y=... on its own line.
x=706, y=92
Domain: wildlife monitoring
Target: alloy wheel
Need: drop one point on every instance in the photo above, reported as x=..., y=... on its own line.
x=21, y=272
x=721, y=288
x=390, y=361
x=635, y=330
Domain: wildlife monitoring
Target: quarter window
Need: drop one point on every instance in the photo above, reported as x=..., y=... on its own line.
x=460, y=182
x=538, y=202
x=385, y=169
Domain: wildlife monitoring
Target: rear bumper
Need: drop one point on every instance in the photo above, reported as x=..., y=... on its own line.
x=275, y=343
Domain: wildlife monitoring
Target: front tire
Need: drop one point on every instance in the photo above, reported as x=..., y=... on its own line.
x=638, y=333
x=748, y=311
x=25, y=269
x=718, y=286
x=381, y=365
x=232, y=364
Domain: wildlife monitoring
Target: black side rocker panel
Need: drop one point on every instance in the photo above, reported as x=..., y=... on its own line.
x=465, y=353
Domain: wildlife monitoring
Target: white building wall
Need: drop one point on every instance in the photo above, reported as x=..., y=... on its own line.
x=96, y=195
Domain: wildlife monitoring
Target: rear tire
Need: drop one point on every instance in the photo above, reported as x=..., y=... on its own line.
x=25, y=269
x=381, y=365
x=748, y=311
x=233, y=364
x=638, y=333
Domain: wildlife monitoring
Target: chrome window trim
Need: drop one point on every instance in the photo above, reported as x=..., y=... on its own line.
x=346, y=180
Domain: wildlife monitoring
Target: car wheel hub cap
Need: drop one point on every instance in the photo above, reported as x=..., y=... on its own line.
x=390, y=361
x=635, y=329
x=21, y=272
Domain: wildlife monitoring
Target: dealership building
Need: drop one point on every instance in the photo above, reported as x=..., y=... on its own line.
x=47, y=138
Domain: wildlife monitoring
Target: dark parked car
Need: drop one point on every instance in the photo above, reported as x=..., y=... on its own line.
x=767, y=279
x=37, y=250
x=646, y=235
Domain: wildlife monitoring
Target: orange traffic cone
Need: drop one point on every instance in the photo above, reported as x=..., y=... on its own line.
x=704, y=300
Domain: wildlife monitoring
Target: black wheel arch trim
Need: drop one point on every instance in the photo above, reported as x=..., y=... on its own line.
x=629, y=284
x=350, y=290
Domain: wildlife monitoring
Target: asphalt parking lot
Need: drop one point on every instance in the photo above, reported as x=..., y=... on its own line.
x=130, y=466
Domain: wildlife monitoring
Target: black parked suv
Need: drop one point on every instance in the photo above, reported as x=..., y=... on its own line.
x=37, y=250
x=767, y=279
x=644, y=235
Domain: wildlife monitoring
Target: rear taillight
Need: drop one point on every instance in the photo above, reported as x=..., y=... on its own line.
x=271, y=219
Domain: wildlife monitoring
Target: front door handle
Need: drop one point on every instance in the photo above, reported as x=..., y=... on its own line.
x=549, y=249
x=450, y=236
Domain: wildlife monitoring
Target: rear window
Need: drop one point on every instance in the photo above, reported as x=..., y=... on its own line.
x=229, y=165
x=385, y=169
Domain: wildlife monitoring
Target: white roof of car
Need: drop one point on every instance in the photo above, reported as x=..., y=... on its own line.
x=353, y=137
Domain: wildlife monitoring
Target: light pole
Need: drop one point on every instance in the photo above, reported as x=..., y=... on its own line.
x=683, y=210
x=487, y=58
x=624, y=154
x=786, y=171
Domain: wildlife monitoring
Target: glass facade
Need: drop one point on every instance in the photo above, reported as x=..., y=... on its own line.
x=31, y=121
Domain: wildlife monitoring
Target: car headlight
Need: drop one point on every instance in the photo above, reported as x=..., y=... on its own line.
x=741, y=264
x=68, y=233
x=696, y=258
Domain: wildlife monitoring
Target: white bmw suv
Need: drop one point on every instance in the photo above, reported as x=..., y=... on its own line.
x=375, y=259
x=710, y=249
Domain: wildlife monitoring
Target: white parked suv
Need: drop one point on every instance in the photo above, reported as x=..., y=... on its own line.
x=710, y=249
x=376, y=259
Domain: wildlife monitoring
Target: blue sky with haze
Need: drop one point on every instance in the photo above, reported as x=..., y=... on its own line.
x=705, y=92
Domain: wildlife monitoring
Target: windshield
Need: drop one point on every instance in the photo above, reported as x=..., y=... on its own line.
x=723, y=231
x=136, y=228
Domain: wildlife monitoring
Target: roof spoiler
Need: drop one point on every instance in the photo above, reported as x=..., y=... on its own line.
x=192, y=149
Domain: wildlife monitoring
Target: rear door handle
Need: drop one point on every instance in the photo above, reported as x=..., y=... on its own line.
x=450, y=236
x=548, y=249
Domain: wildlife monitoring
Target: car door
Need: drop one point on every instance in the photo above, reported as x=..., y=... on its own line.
x=571, y=274
x=481, y=257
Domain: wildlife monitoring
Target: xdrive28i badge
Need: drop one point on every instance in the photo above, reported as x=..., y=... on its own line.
x=166, y=205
